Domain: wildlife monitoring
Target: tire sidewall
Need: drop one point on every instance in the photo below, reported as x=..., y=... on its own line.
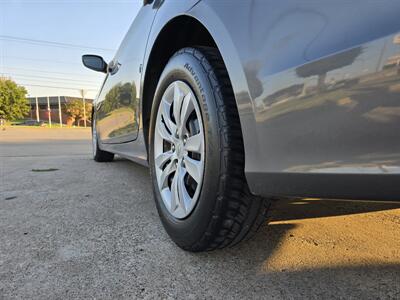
x=185, y=67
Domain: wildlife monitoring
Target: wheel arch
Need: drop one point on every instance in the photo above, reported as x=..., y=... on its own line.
x=188, y=32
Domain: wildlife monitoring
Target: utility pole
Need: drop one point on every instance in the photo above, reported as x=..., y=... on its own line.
x=59, y=111
x=84, y=106
x=49, y=110
x=37, y=109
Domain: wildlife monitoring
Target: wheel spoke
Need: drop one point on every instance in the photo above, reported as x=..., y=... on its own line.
x=166, y=107
x=163, y=132
x=193, y=167
x=177, y=104
x=184, y=197
x=194, y=143
x=174, y=192
x=163, y=158
x=187, y=108
x=163, y=177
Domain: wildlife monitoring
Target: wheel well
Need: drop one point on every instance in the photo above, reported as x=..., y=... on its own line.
x=186, y=32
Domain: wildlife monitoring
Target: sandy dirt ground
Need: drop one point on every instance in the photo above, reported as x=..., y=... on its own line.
x=73, y=228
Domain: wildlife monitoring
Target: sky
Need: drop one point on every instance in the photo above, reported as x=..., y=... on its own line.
x=41, y=42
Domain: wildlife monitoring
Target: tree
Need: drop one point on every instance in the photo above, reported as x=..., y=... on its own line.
x=13, y=102
x=74, y=110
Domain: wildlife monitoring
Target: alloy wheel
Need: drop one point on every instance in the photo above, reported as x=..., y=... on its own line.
x=179, y=153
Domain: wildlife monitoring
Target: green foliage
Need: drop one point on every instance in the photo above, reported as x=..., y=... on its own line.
x=13, y=102
x=74, y=109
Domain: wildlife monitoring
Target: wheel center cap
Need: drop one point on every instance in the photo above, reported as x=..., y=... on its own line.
x=179, y=149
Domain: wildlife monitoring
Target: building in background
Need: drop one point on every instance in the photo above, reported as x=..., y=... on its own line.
x=41, y=108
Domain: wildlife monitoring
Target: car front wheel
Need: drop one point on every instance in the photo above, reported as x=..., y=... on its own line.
x=197, y=155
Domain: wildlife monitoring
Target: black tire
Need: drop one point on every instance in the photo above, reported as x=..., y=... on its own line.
x=98, y=154
x=226, y=211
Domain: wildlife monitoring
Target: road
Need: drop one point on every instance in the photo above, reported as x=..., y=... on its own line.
x=73, y=228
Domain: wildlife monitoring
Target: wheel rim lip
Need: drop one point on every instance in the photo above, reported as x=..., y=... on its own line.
x=158, y=145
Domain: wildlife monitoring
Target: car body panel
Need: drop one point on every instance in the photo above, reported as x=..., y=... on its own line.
x=322, y=98
x=318, y=102
x=117, y=106
x=137, y=150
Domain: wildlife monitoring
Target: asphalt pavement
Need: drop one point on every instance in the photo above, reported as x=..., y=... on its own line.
x=71, y=228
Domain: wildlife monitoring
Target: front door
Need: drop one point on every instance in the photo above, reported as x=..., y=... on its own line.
x=118, y=102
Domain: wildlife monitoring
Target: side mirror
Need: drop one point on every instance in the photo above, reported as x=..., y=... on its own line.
x=94, y=62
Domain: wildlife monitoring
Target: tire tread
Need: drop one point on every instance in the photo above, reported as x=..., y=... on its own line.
x=237, y=214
